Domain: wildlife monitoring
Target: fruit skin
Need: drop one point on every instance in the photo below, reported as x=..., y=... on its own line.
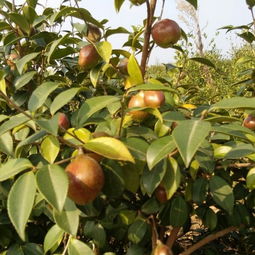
x=137, y=101
x=165, y=33
x=137, y=2
x=249, y=122
x=63, y=121
x=86, y=179
x=154, y=98
x=162, y=249
x=160, y=194
x=122, y=66
x=88, y=57
x=93, y=33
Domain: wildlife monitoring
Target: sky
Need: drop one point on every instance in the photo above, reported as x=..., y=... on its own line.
x=213, y=14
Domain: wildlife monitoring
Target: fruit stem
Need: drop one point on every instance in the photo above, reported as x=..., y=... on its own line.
x=151, y=5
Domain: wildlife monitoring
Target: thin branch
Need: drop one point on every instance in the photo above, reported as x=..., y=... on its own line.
x=173, y=236
x=208, y=239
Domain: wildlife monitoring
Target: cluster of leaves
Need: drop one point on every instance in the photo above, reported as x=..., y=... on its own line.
x=202, y=156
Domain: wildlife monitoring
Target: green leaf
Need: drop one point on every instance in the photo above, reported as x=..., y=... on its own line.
x=40, y=94
x=193, y=3
x=250, y=179
x=24, y=79
x=134, y=71
x=52, y=182
x=93, y=105
x=137, y=231
x=13, y=122
x=95, y=74
x=53, y=237
x=50, y=148
x=6, y=144
x=179, y=212
x=152, y=178
x=50, y=125
x=118, y=4
x=240, y=151
x=20, y=202
x=132, y=177
x=210, y=219
x=96, y=232
x=188, y=136
x=234, y=103
x=172, y=178
x=199, y=190
x=68, y=218
x=109, y=147
x=20, y=64
x=222, y=193
x=203, y=61
x=104, y=49
x=29, y=13
x=150, y=86
x=77, y=247
x=159, y=149
x=13, y=167
x=20, y=21
x=62, y=98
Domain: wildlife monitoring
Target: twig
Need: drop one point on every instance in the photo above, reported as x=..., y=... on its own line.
x=208, y=239
x=173, y=236
x=66, y=246
x=154, y=232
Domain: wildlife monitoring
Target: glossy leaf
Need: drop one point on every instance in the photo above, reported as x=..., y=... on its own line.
x=203, y=61
x=20, y=202
x=53, y=236
x=118, y=4
x=50, y=125
x=50, y=148
x=178, y=212
x=24, y=79
x=96, y=232
x=77, y=136
x=137, y=231
x=95, y=74
x=172, y=178
x=222, y=193
x=6, y=144
x=104, y=49
x=199, y=190
x=77, y=247
x=250, y=179
x=13, y=167
x=109, y=147
x=210, y=219
x=239, y=151
x=40, y=94
x=68, y=218
x=134, y=71
x=93, y=105
x=52, y=182
x=188, y=136
x=151, y=87
x=20, y=64
x=62, y=98
x=159, y=149
x=234, y=103
x=20, y=21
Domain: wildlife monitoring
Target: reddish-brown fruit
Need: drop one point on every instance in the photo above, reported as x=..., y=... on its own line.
x=249, y=122
x=63, y=121
x=154, y=98
x=93, y=33
x=137, y=101
x=166, y=32
x=160, y=194
x=88, y=57
x=122, y=66
x=86, y=179
x=162, y=249
x=137, y=2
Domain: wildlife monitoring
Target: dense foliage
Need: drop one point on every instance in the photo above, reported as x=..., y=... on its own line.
x=163, y=167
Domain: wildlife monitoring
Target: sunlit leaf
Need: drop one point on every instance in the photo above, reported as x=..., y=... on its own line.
x=77, y=247
x=50, y=148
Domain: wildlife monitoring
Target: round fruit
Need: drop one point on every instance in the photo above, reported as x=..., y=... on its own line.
x=160, y=194
x=93, y=33
x=86, y=179
x=122, y=66
x=166, y=32
x=154, y=98
x=63, y=121
x=249, y=122
x=137, y=101
x=162, y=249
x=137, y=2
x=88, y=57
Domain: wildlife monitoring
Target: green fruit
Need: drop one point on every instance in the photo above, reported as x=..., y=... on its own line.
x=165, y=33
x=86, y=179
x=88, y=57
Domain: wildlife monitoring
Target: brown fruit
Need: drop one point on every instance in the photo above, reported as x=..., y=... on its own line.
x=165, y=33
x=160, y=194
x=93, y=33
x=162, y=249
x=137, y=101
x=88, y=57
x=122, y=66
x=63, y=121
x=137, y=2
x=86, y=179
x=154, y=98
x=249, y=122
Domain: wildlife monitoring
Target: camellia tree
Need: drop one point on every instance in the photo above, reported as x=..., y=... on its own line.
x=99, y=158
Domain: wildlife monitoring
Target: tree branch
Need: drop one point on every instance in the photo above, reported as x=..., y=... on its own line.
x=173, y=236
x=208, y=239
